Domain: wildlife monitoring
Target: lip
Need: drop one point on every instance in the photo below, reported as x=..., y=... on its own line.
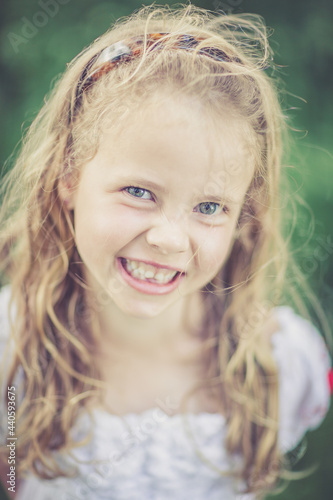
x=146, y=286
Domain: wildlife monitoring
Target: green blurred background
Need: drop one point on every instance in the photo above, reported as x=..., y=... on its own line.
x=38, y=39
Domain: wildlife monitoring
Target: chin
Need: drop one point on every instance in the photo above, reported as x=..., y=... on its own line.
x=141, y=309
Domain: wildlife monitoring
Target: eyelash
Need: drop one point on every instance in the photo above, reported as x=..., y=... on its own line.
x=224, y=208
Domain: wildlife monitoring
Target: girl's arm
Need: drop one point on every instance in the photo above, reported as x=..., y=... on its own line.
x=305, y=375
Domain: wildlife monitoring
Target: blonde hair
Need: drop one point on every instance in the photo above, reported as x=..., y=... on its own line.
x=53, y=328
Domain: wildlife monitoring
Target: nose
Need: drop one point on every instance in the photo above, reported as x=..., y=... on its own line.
x=168, y=237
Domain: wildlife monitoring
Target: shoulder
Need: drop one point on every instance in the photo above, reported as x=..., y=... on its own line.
x=304, y=366
x=6, y=342
x=5, y=294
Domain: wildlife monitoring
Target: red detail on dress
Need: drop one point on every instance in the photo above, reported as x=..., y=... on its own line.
x=330, y=380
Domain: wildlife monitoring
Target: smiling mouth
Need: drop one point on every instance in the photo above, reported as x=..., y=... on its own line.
x=147, y=272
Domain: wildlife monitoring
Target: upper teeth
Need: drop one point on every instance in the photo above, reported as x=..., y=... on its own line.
x=143, y=271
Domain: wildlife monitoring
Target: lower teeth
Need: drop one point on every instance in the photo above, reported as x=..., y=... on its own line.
x=150, y=280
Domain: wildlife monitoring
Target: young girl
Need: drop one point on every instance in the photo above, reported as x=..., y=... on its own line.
x=144, y=352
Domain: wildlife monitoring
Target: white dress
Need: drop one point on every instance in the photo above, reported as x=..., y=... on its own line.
x=156, y=456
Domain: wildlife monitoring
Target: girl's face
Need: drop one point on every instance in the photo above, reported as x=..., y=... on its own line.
x=157, y=207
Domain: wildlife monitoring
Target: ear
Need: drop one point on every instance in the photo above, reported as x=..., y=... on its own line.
x=67, y=192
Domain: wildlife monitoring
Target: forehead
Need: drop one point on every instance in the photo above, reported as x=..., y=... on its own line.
x=180, y=139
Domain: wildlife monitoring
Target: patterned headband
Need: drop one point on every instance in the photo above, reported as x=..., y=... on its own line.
x=125, y=50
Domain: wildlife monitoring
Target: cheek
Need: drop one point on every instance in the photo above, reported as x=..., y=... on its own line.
x=101, y=229
x=214, y=249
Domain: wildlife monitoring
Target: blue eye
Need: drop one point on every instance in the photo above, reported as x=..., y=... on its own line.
x=139, y=192
x=209, y=208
